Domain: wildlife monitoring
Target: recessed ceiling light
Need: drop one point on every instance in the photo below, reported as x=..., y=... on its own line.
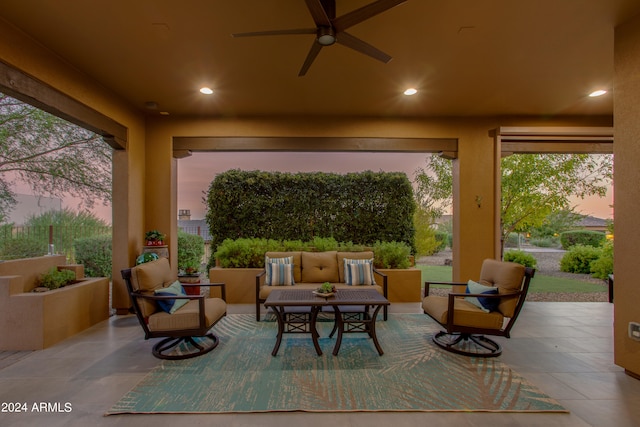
x=206, y=91
x=410, y=91
x=597, y=93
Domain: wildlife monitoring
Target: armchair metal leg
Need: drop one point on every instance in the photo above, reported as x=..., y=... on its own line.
x=467, y=344
x=185, y=347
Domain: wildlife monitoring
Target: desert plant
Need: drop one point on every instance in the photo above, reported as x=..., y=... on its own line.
x=545, y=242
x=520, y=257
x=578, y=259
x=95, y=254
x=55, y=278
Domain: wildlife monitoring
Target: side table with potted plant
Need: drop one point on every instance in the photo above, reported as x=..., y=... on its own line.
x=190, y=254
x=154, y=242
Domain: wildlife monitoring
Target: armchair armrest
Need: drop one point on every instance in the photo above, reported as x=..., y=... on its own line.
x=428, y=284
x=452, y=297
x=222, y=286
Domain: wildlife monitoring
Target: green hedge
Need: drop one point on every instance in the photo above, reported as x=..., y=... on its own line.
x=359, y=207
x=249, y=253
x=579, y=258
x=568, y=239
x=95, y=253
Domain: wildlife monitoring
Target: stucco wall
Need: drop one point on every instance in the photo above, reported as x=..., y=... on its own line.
x=627, y=192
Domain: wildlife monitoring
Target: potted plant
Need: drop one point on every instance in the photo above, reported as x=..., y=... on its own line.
x=190, y=254
x=154, y=238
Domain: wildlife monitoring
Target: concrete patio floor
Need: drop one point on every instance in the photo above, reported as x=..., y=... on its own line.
x=566, y=349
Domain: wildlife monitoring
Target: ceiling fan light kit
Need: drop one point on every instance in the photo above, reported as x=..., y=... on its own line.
x=330, y=30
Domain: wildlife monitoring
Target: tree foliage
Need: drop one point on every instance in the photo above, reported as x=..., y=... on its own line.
x=533, y=186
x=54, y=157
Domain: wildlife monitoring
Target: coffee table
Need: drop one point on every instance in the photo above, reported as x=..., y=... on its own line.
x=297, y=312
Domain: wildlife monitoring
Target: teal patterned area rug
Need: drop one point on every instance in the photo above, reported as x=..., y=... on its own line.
x=240, y=375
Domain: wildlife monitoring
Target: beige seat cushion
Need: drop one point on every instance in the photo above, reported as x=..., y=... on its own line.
x=148, y=277
x=507, y=276
x=465, y=313
x=320, y=267
x=187, y=316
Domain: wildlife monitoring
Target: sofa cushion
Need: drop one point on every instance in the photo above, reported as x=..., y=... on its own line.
x=350, y=255
x=358, y=271
x=271, y=266
x=171, y=305
x=319, y=267
x=297, y=262
x=485, y=304
x=280, y=274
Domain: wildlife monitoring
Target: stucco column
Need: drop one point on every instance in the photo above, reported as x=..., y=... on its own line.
x=626, y=150
x=475, y=202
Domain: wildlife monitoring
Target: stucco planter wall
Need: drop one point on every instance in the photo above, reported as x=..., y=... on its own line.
x=33, y=321
x=240, y=283
x=404, y=284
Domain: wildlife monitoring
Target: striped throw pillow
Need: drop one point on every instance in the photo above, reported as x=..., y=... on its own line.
x=268, y=261
x=358, y=272
x=281, y=274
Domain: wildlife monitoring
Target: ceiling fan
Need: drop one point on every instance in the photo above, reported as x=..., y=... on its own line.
x=330, y=30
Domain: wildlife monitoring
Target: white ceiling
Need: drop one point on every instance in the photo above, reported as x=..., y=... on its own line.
x=466, y=57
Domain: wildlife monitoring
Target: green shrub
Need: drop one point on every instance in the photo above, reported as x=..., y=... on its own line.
x=55, y=278
x=244, y=253
x=545, y=242
x=512, y=240
x=95, y=254
x=322, y=244
x=521, y=257
x=603, y=266
x=568, y=239
x=22, y=247
x=391, y=255
x=190, y=252
x=578, y=259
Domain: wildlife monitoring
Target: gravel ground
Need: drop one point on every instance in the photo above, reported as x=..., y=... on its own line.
x=548, y=265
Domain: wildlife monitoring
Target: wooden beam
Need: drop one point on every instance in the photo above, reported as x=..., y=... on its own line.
x=550, y=140
x=422, y=145
x=557, y=147
x=32, y=91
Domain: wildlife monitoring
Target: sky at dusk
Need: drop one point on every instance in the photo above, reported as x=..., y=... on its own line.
x=195, y=173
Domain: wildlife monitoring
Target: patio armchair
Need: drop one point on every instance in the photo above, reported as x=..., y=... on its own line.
x=165, y=311
x=476, y=309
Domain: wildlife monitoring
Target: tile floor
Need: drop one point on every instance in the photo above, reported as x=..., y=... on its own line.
x=563, y=348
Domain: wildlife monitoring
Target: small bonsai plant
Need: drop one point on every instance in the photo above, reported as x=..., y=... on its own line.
x=55, y=278
x=154, y=238
x=327, y=287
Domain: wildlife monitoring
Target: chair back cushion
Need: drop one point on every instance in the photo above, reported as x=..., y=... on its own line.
x=297, y=262
x=507, y=276
x=319, y=267
x=146, y=278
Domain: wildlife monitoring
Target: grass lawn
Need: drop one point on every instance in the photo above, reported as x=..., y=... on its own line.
x=540, y=283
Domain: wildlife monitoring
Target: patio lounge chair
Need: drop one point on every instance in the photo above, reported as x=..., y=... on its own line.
x=476, y=309
x=164, y=310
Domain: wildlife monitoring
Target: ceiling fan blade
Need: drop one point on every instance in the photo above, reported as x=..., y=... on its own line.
x=365, y=12
x=277, y=32
x=361, y=46
x=318, y=13
x=311, y=56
